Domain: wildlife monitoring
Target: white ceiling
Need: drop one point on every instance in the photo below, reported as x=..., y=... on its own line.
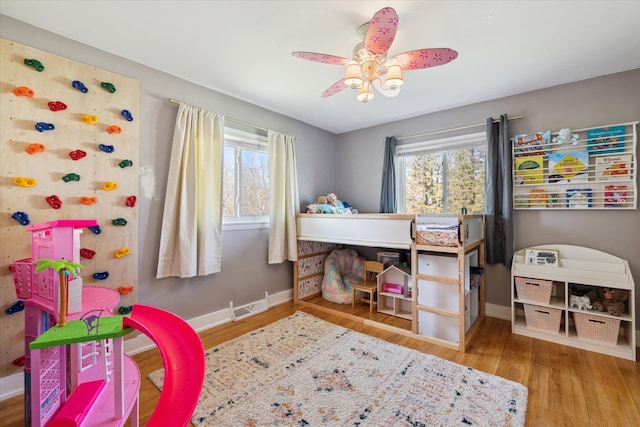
x=243, y=48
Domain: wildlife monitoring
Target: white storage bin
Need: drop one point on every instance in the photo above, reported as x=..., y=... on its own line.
x=437, y=326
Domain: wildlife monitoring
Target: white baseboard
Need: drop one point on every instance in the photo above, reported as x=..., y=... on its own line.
x=13, y=385
x=497, y=311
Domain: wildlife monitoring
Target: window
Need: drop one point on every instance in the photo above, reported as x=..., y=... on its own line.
x=245, y=183
x=442, y=176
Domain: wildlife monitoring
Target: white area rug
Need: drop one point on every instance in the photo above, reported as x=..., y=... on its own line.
x=303, y=371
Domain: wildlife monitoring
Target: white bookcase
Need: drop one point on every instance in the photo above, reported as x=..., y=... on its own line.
x=594, y=171
x=554, y=319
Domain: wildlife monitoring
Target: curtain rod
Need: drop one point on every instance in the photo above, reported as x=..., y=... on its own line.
x=173, y=101
x=452, y=129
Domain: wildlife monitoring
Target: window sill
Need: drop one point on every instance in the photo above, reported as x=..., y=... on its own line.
x=244, y=225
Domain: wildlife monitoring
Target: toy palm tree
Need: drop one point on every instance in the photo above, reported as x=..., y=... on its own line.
x=62, y=267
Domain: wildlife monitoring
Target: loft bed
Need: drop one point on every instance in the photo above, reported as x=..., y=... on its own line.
x=456, y=236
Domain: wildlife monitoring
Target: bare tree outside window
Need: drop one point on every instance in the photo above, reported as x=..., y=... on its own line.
x=443, y=181
x=245, y=181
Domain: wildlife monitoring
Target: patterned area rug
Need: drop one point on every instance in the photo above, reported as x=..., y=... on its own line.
x=303, y=371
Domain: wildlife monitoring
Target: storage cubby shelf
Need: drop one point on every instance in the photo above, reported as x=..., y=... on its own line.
x=579, y=267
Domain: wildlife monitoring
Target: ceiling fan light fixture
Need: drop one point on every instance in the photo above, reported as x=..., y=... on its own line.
x=394, y=77
x=371, y=65
x=353, y=77
x=365, y=93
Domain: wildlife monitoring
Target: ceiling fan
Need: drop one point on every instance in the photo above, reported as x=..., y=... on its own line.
x=370, y=65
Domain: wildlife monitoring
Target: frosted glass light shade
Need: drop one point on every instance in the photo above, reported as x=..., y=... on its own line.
x=353, y=78
x=394, y=77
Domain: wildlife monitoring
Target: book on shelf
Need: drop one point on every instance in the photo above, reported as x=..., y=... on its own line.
x=579, y=198
x=615, y=196
x=532, y=144
x=606, y=140
x=521, y=201
x=568, y=167
x=613, y=167
x=529, y=170
x=538, y=198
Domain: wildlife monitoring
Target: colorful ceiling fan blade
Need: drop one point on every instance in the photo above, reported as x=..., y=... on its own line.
x=321, y=57
x=382, y=30
x=338, y=86
x=424, y=58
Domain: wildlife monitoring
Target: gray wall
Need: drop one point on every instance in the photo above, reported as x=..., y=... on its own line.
x=600, y=101
x=245, y=273
x=350, y=166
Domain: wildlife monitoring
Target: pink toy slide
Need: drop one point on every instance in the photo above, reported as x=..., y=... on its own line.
x=183, y=360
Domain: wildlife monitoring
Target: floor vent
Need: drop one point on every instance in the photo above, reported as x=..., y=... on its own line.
x=250, y=309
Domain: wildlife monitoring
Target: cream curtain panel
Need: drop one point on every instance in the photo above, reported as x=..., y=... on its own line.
x=283, y=180
x=190, y=239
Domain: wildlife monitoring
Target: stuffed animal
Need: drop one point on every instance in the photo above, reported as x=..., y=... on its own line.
x=581, y=302
x=611, y=300
x=565, y=136
x=321, y=200
x=332, y=199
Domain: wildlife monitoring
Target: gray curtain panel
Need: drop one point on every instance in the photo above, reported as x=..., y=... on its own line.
x=498, y=194
x=388, y=193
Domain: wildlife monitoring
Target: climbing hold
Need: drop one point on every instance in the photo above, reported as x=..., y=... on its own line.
x=34, y=148
x=71, y=177
x=42, y=126
x=35, y=64
x=95, y=229
x=19, y=361
x=113, y=129
x=24, y=182
x=127, y=115
x=19, y=306
x=131, y=201
x=77, y=154
x=125, y=310
x=80, y=86
x=88, y=200
x=21, y=217
x=108, y=186
x=54, y=201
x=106, y=148
x=57, y=106
x=122, y=252
x=23, y=91
x=119, y=221
x=92, y=120
x=124, y=290
x=126, y=162
x=108, y=86
x=87, y=253
x=101, y=276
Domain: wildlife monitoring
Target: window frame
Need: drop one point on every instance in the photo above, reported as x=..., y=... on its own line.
x=242, y=140
x=436, y=146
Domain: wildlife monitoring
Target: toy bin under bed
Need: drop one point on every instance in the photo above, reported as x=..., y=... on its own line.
x=447, y=230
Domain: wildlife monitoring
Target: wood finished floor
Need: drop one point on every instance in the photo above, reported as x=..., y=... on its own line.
x=567, y=386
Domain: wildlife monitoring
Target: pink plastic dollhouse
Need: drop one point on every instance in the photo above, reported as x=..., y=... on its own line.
x=78, y=375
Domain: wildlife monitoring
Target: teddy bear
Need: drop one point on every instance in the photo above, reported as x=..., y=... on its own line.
x=332, y=199
x=321, y=200
x=611, y=300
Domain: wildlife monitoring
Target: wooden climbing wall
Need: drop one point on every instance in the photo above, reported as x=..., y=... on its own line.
x=108, y=172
